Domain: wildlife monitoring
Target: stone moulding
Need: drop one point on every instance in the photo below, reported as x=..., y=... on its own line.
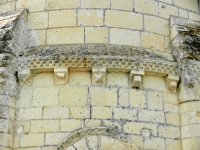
x=97, y=131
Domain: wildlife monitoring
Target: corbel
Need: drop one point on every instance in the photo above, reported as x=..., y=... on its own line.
x=171, y=82
x=136, y=78
x=60, y=76
x=99, y=76
x=25, y=77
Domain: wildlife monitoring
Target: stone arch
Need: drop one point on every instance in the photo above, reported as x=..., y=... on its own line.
x=111, y=133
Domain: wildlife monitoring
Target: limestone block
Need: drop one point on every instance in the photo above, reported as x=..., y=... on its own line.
x=23, y=126
x=49, y=148
x=122, y=5
x=43, y=79
x=138, y=140
x=70, y=125
x=166, y=1
x=124, y=113
x=96, y=35
x=136, y=78
x=101, y=112
x=183, y=13
x=189, y=131
x=156, y=25
x=73, y=96
x=153, y=41
x=99, y=76
x=118, y=145
x=65, y=36
x=5, y=126
x=80, y=112
x=146, y=6
x=95, y=4
x=92, y=122
x=190, y=106
x=7, y=7
x=124, y=37
x=122, y=19
x=151, y=116
x=170, y=98
x=6, y=140
x=90, y=17
x=29, y=113
x=135, y=128
x=55, y=112
x=7, y=101
x=60, y=76
x=154, y=82
x=25, y=98
x=194, y=16
x=154, y=143
x=39, y=36
x=29, y=140
x=106, y=142
x=33, y=6
x=7, y=112
x=45, y=96
x=174, y=32
x=191, y=5
x=62, y=18
x=45, y=126
x=174, y=144
x=123, y=98
x=38, y=20
x=81, y=144
x=103, y=96
x=190, y=118
x=61, y=4
x=137, y=98
x=25, y=78
x=169, y=132
x=171, y=82
x=155, y=100
x=92, y=142
x=54, y=138
x=190, y=143
x=167, y=44
x=79, y=78
x=171, y=108
x=117, y=78
x=166, y=10
x=173, y=119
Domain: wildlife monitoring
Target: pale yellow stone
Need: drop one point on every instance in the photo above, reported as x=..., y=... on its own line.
x=124, y=113
x=38, y=20
x=117, y=78
x=5, y=126
x=7, y=112
x=137, y=140
x=71, y=148
x=39, y=37
x=62, y=4
x=103, y=96
x=135, y=128
x=54, y=138
x=25, y=125
x=118, y=145
x=166, y=1
x=6, y=140
x=146, y=6
x=123, y=97
x=189, y=131
x=190, y=118
x=155, y=100
x=154, y=143
x=170, y=98
x=7, y=7
x=191, y=4
x=4, y=148
x=25, y=98
x=95, y=4
x=33, y=6
x=55, y=112
x=154, y=82
x=45, y=96
x=156, y=25
x=3, y=1
x=96, y=35
x=183, y=13
x=153, y=41
x=122, y=5
x=92, y=142
x=174, y=144
x=124, y=37
x=171, y=108
x=90, y=17
x=166, y=10
x=43, y=79
x=137, y=98
x=38, y=148
x=49, y=148
x=189, y=106
x=29, y=113
x=191, y=144
x=79, y=78
x=151, y=116
x=106, y=142
x=167, y=44
x=70, y=125
x=81, y=145
x=45, y=126
x=169, y=132
x=65, y=36
x=101, y=112
x=123, y=19
x=80, y=112
x=29, y=140
x=73, y=96
x=92, y=122
x=62, y=18
x=173, y=119
x=194, y=16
